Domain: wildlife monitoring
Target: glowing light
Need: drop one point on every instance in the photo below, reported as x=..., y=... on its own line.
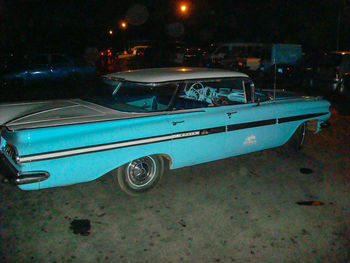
x=123, y=25
x=183, y=8
x=110, y=32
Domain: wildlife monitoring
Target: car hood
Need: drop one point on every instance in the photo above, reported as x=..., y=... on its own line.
x=30, y=115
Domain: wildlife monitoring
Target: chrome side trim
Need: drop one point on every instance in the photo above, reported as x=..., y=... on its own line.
x=160, y=138
x=17, y=177
x=90, y=149
x=31, y=177
x=105, y=147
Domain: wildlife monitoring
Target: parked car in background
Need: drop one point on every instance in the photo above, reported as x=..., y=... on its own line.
x=158, y=55
x=256, y=56
x=142, y=122
x=134, y=51
x=189, y=56
x=139, y=50
x=42, y=67
x=327, y=73
x=41, y=76
x=265, y=63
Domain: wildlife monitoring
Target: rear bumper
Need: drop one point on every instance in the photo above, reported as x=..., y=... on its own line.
x=18, y=178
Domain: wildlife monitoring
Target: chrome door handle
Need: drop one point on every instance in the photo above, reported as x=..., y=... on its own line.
x=230, y=113
x=176, y=122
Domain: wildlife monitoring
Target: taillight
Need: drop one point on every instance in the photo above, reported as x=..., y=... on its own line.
x=12, y=152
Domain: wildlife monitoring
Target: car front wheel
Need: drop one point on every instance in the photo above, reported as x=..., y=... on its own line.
x=140, y=175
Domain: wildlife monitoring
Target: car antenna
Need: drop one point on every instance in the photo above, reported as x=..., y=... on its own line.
x=274, y=80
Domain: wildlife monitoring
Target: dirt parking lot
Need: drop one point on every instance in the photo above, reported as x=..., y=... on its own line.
x=241, y=209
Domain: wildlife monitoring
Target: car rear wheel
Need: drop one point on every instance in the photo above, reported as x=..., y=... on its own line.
x=140, y=175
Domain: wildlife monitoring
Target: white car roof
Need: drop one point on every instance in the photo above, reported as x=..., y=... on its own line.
x=155, y=75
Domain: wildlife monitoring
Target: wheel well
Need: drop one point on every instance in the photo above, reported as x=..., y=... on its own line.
x=312, y=125
x=168, y=162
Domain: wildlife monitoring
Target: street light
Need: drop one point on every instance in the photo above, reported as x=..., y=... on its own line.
x=110, y=32
x=123, y=26
x=183, y=8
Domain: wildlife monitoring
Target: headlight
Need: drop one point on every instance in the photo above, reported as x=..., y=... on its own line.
x=11, y=151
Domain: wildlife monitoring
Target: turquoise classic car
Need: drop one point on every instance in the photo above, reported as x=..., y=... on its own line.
x=140, y=123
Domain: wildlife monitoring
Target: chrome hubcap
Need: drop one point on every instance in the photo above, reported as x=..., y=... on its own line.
x=141, y=171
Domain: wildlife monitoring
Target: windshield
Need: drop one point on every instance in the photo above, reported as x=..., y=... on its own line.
x=135, y=97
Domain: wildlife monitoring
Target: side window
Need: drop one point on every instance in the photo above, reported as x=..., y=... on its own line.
x=144, y=97
x=191, y=96
x=231, y=92
x=214, y=93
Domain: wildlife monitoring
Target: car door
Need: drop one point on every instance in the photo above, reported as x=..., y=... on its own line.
x=198, y=136
x=251, y=126
x=198, y=131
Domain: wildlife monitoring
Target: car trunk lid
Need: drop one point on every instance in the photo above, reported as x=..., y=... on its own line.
x=58, y=113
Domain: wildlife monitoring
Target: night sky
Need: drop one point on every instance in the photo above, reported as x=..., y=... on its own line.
x=73, y=25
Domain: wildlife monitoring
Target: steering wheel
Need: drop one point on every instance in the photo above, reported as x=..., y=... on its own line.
x=195, y=91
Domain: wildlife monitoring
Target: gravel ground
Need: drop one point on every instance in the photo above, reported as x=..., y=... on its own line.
x=241, y=209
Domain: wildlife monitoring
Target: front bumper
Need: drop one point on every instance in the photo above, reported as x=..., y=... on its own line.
x=17, y=177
